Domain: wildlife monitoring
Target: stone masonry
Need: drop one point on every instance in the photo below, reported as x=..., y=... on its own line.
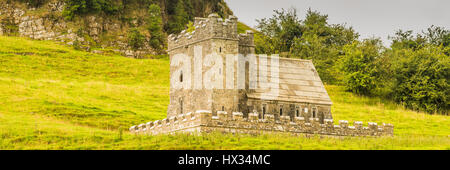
x=301, y=104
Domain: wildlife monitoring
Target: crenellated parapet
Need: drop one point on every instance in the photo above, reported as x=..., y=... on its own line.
x=246, y=39
x=205, y=28
x=204, y=121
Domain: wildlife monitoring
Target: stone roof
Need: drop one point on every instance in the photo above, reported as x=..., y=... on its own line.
x=298, y=82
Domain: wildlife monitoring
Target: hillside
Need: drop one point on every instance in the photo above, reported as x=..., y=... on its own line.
x=55, y=97
x=129, y=27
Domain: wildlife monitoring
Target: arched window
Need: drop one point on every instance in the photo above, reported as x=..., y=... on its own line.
x=223, y=108
x=297, y=111
x=220, y=49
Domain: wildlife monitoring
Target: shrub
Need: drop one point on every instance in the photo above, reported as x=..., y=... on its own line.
x=359, y=66
x=80, y=7
x=421, y=79
x=135, y=39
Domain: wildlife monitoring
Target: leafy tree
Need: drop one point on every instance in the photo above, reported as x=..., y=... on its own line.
x=437, y=36
x=80, y=7
x=155, y=26
x=280, y=30
x=421, y=79
x=322, y=43
x=359, y=65
x=179, y=19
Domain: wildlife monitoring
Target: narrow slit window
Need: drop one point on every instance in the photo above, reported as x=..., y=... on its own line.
x=281, y=110
x=181, y=106
x=263, y=110
x=181, y=76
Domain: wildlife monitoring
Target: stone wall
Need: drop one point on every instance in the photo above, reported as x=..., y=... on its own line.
x=203, y=121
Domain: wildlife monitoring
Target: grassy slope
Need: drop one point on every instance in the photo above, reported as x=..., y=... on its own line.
x=53, y=97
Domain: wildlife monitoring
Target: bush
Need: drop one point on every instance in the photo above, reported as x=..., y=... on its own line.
x=135, y=39
x=80, y=7
x=33, y=3
x=359, y=67
x=421, y=79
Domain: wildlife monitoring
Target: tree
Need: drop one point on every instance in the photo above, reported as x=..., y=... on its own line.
x=421, y=79
x=280, y=30
x=437, y=36
x=359, y=65
x=322, y=43
x=179, y=19
x=155, y=26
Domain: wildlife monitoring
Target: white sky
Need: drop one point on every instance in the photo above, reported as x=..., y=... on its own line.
x=369, y=18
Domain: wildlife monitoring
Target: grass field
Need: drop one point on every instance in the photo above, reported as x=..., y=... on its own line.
x=54, y=97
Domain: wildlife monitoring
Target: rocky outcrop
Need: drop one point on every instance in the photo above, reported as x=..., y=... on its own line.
x=85, y=32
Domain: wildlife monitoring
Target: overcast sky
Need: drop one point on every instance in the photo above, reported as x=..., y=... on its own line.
x=369, y=18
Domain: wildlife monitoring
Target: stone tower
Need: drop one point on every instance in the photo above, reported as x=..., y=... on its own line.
x=211, y=35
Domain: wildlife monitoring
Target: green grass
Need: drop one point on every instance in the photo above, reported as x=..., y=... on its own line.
x=54, y=97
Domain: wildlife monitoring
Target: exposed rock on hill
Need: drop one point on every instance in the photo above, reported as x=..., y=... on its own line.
x=98, y=30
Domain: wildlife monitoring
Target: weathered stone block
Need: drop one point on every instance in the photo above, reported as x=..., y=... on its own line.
x=189, y=116
x=358, y=125
x=328, y=122
x=270, y=118
x=205, y=116
x=299, y=120
x=343, y=124
x=149, y=125
x=238, y=116
x=172, y=119
x=132, y=129
x=285, y=119
x=253, y=117
x=223, y=116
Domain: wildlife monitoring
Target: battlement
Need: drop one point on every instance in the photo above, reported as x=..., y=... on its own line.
x=212, y=27
x=204, y=121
